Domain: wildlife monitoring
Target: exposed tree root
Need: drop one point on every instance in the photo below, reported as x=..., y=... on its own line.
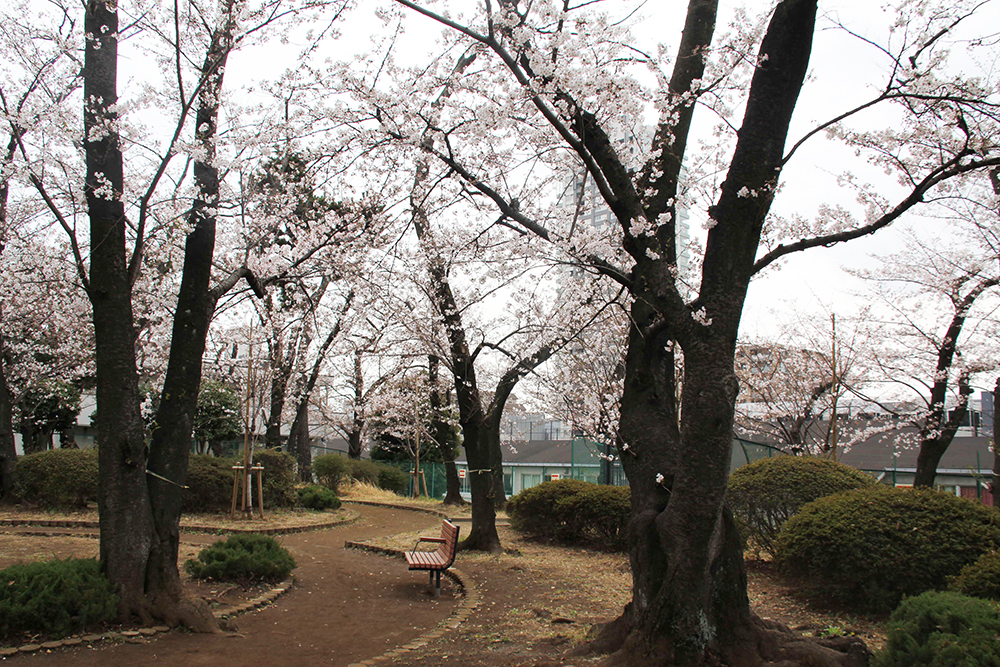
x=192, y=613
x=764, y=644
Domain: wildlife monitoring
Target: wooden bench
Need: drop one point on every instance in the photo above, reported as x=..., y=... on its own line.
x=438, y=561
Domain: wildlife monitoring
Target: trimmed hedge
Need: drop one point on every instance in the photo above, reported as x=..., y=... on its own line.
x=942, y=629
x=331, y=469
x=764, y=494
x=242, y=559
x=209, y=482
x=572, y=511
x=57, y=598
x=279, y=477
x=393, y=479
x=57, y=477
x=872, y=546
x=980, y=579
x=316, y=497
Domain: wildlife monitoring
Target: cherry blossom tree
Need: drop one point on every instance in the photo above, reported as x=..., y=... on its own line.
x=140, y=491
x=939, y=299
x=567, y=69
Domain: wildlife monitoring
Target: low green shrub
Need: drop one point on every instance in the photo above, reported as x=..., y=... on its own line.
x=316, y=497
x=381, y=475
x=572, y=511
x=363, y=470
x=331, y=469
x=279, y=477
x=872, y=546
x=980, y=579
x=242, y=559
x=393, y=479
x=942, y=629
x=57, y=477
x=209, y=482
x=764, y=494
x=56, y=598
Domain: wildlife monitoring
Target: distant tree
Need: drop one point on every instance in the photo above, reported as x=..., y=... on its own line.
x=218, y=417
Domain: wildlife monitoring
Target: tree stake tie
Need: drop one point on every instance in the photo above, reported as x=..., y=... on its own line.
x=481, y=471
x=168, y=481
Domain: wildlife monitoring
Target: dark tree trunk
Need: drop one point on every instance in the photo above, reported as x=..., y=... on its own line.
x=8, y=451
x=354, y=439
x=298, y=441
x=689, y=604
x=196, y=302
x=281, y=372
x=939, y=427
x=358, y=420
x=443, y=436
x=126, y=521
x=298, y=437
x=995, y=480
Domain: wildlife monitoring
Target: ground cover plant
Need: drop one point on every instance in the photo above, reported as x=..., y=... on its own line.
x=764, y=494
x=871, y=547
x=942, y=629
x=243, y=559
x=54, y=598
x=320, y=498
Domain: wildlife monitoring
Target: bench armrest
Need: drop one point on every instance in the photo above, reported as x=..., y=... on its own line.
x=422, y=538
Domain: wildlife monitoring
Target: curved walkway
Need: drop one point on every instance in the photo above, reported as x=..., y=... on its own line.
x=347, y=607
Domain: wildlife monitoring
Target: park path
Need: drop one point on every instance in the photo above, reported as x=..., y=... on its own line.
x=346, y=606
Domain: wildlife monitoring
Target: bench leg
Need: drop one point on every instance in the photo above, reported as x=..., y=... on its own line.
x=437, y=584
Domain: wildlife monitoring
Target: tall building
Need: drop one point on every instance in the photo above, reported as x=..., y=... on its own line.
x=582, y=197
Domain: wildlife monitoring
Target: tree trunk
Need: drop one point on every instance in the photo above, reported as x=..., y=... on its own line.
x=281, y=372
x=298, y=441
x=443, y=436
x=196, y=302
x=358, y=420
x=8, y=451
x=126, y=521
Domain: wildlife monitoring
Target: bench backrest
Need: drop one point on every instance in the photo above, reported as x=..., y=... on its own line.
x=449, y=533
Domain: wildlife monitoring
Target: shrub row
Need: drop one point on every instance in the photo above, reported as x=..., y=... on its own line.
x=67, y=478
x=573, y=512
x=333, y=469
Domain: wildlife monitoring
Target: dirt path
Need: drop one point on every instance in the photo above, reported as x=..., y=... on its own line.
x=346, y=606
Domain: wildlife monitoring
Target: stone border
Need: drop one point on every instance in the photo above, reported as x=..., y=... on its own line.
x=194, y=528
x=374, y=503
x=139, y=634
x=470, y=600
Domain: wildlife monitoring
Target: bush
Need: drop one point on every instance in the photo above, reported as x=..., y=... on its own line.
x=363, y=470
x=942, y=629
x=279, y=477
x=571, y=511
x=381, y=475
x=980, y=579
x=872, y=546
x=393, y=479
x=331, y=469
x=56, y=597
x=57, y=477
x=242, y=559
x=764, y=494
x=209, y=482
x=317, y=497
